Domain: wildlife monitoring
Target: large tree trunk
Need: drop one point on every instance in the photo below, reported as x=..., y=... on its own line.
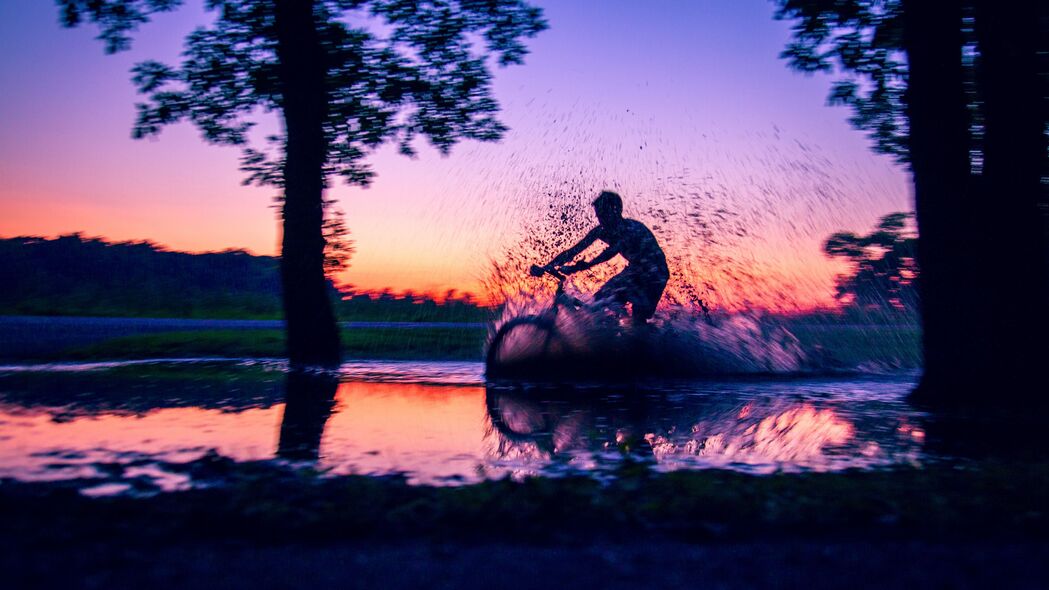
x=312, y=335
x=982, y=245
x=939, y=153
x=1013, y=266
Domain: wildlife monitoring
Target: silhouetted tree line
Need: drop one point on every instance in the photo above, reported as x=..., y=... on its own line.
x=411, y=307
x=77, y=275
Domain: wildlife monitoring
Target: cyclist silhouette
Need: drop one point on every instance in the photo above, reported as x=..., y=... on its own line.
x=642, y=282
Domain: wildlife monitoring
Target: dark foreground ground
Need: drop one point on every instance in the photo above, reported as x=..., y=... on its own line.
x=606, y=564
x=980, y=525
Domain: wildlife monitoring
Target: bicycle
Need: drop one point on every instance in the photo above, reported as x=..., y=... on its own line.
x=532, y=345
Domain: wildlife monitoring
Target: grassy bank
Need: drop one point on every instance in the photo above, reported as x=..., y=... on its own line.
x=852, y=346
x=358, y=343
x=847, y=346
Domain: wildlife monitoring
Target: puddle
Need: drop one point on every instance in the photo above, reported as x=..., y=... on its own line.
x=116, y=426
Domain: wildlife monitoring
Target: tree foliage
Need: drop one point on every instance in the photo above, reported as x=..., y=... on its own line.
x=396, y=70
x=861, y=42
x=882, y=264
x=338, y=246
x=346, y=76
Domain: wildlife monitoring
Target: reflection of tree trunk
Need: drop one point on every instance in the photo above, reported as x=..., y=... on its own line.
x=313, y=337
x=310, y=398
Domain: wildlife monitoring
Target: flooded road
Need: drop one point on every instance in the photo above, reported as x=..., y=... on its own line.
x=120, y=426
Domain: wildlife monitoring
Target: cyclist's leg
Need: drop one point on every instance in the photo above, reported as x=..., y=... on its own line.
x=615, y=290
x=642, y=309
x=644, y=297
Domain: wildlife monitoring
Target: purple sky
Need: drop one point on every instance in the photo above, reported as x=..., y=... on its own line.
x=696, y=83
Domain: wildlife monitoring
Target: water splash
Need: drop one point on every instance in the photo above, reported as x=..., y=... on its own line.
x=735, y=256
x=678, y=342
x=736, y=343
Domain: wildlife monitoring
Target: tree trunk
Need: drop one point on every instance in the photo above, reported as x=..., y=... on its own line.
x=312, y=334
x=982, y=246
x=1014, y=262
x=939, y=154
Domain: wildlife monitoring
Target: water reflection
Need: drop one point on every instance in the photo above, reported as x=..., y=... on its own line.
x=131, y=424
x=700, y=427
x=310, y=398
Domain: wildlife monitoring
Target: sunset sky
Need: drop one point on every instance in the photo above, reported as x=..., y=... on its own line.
x=682, y=106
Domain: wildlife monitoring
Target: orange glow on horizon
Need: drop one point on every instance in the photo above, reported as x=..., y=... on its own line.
x=795, y=285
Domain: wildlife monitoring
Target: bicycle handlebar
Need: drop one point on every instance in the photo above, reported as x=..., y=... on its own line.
x=538, y=271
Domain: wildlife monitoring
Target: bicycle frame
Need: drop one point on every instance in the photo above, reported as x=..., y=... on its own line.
x=561, y=298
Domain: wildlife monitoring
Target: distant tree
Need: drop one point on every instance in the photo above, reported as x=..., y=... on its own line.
x=957, y=90
x=346, y=76
x=883, y=266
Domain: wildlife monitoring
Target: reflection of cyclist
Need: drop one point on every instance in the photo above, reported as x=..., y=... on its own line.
x=642, y=282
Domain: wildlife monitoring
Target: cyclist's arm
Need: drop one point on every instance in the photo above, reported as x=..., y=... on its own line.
x=605, y=256
x=574, y=251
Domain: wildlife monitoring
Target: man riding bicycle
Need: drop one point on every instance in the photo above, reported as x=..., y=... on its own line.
x=642, y=282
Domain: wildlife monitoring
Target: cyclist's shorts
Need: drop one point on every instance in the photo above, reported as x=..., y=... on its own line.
x=641, y=290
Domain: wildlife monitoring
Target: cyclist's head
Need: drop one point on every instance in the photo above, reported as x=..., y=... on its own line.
x=609, y=207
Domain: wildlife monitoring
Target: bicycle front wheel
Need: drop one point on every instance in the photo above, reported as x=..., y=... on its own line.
x=523, y=341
